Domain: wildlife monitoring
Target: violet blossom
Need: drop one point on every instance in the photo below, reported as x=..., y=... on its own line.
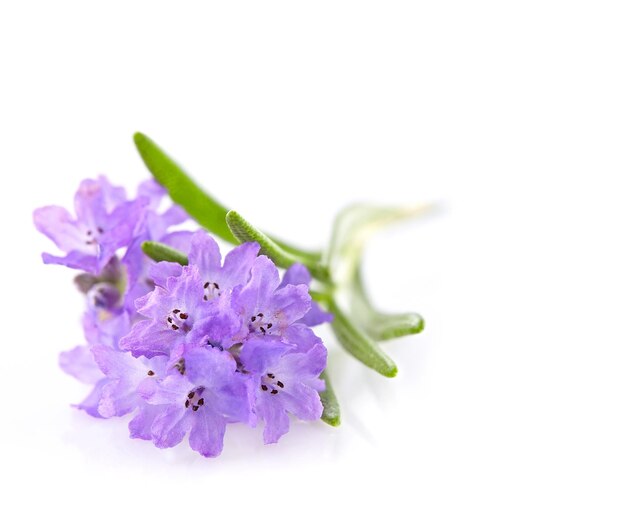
x=185, y=349
x=105, y=221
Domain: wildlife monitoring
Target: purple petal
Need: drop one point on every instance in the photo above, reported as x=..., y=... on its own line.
x=207, y=433
x=215, y=370
x=89, y=203
x=104, y=327
x=171, y=390
x=219, y=325
x=316, y=316
x=305, y=366
x=263, y=282
x=291, y=303
x=148, y=338
x=118, y=365
x=296, y=274
x=170, y=426
x=205, y=253
x=174, y=215
x=179, y=240
x=238, y=264
x=303, y=401
x=58, y=225
x=186, y=290
x=117, y=399
x=95, y=199
x=301, y=337
x=260, y=353
x=151, y=189
x=112, y=195
x=156, y=223
x=123, y=224
x=275, y=417
x=140, y=426
x=299, y=274
x=80, y=364
x=209, y=366
x=160, y=272
x=90, y=403
x=74, y=259
x=134, y=261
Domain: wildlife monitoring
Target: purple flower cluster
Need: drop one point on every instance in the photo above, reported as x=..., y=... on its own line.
x=186, y=349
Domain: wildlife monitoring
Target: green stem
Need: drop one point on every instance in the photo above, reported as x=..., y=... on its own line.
x=359, y=344
x=243, y=231
x=331, y=413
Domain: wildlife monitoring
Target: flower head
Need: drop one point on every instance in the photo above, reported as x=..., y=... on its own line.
x=201, y=395
x=187, y=349
x=155, y=226
x=171, y=312
x=104, y=222
x=299, y=274
x=267, y=307
x=124, y=374
x=217, y=277
x=284, y=380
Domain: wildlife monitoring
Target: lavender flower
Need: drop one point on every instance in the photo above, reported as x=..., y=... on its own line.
x=155, y=226
x=267, y=307
x=171, y=313
x=105, y=222
x=285, y=380
x=204, y=254
x=185, y=316
x=193, y=304
x=186, y=349
x=102, y=326
x=298, y=274
x=124, y=375
x=202, y=394
x=106, y=320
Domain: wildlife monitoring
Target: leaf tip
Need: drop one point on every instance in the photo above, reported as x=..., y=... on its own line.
x=415, y=324
x=333, y=420
x=148, y=247
x=139, y=138
x=390, y=372
x=420, y=326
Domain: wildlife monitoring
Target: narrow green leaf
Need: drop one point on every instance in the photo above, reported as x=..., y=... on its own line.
x=359, y=344
x=246, y=232
x=207, y=211
x=353, y=227
x=182, y=189
x=391, y=326
x=331, y=413
x=380, y=326
x=162, y=252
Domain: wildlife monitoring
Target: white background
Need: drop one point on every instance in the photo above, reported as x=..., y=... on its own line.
x=510, y=115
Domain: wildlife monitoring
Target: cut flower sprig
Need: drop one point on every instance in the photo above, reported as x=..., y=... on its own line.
x=184, y=341
x=359, y=327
